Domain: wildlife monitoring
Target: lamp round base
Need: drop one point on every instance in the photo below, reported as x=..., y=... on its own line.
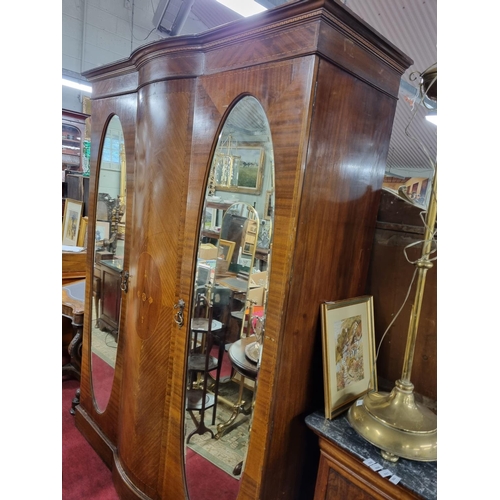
x=396, y=424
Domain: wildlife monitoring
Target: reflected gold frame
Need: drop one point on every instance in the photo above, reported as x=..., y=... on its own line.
x=242, y=151
x=230, y=248
x=340, y=330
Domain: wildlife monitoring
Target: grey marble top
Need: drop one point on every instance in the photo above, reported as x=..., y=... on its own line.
x=418, y=477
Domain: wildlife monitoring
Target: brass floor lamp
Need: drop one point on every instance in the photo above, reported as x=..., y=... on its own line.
x=395, y=422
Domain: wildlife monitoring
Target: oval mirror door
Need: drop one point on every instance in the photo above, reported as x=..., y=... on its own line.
x=229, y=304
x=108, y=261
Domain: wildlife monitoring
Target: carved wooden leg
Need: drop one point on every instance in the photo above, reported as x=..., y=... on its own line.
x=75, y=402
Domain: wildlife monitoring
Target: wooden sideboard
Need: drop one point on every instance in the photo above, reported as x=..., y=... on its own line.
x=328, y=86
x=74, y=266
x=342, y=473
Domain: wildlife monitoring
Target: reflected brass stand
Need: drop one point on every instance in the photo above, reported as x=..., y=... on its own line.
x=395, y=422
x=238, y=407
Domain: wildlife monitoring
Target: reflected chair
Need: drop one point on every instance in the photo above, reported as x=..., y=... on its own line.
x=206, y=332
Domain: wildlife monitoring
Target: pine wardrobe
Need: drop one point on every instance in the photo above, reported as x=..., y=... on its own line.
x=328, y=85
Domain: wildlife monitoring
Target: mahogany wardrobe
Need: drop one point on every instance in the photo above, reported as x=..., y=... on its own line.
x=327, y=84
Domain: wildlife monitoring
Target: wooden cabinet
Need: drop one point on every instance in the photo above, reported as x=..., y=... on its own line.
x=328, y=85
x=73, y=134
x=108, y=274
x=343, y=473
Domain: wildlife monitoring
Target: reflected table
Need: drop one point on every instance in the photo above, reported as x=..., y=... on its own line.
x=73, y=304
x=247, y=369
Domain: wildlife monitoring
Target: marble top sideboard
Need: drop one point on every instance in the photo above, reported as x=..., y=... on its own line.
x=418, y=477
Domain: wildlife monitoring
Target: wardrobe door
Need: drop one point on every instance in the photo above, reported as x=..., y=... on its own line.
x=112, y=166
x=230, y=281
x=156, y=239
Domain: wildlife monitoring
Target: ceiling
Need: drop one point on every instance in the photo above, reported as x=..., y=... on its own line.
x=411, y=25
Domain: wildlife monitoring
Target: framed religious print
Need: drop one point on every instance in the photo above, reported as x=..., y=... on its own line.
x=348, y=342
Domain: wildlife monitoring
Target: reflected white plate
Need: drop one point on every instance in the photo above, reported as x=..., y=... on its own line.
x=252, y=352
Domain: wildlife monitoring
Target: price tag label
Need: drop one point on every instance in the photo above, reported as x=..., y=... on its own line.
x=395, y=479
x=369, y=461
x=385, y=473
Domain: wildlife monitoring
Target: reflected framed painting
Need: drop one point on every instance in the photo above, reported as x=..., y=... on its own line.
x=348, y=345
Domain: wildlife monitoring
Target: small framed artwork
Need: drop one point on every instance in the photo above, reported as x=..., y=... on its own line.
x=348, y=342
x=82, y=233
x=268, y=208
x=71, y=221
x=225, y=250
x=101, y=230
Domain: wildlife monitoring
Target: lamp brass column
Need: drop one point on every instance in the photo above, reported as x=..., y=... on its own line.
x=395, y=422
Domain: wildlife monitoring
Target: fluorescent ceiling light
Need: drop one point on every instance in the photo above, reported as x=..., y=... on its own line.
x=244, y=8
x=75, y=85
x=432, y=118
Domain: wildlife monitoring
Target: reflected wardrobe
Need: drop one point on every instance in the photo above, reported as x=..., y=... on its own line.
x=250, y=165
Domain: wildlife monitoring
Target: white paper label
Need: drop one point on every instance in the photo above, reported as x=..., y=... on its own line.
x=395, y=479
x=385, y=473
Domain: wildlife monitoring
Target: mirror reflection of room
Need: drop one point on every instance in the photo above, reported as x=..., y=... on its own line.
x=229, y=300
x=108, y=266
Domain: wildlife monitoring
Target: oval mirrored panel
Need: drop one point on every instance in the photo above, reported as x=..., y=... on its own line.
x=229, y=302
x=108, y=261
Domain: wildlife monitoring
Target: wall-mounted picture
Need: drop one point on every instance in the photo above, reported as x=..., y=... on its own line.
x=101, y=230
x=225, y=250
x=71, y=221
x=348, y=340
x=415, y=190
x=241, y=171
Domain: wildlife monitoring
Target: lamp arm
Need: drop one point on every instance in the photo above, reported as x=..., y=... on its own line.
x=423, y=265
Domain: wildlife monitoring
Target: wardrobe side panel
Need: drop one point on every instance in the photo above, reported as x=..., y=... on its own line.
x=347, y=150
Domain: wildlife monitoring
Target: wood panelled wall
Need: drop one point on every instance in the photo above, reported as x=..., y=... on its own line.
x=398, y=225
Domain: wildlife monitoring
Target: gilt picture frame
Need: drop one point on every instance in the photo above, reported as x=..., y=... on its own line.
x=348, y=346
x=241, y=171
x=71, y=221
x=225, y=250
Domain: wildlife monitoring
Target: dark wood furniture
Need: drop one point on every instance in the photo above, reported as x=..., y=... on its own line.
x=328, y=85
x=107, y=293
x=399, y=225
x=73, y=135
x=73, y=308
x=77, y=188
x=343, y=473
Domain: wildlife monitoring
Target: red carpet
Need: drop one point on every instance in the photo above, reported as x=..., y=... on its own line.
x=86, y=477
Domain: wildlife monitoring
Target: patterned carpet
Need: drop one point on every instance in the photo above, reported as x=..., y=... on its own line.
x=231, y=447
x=104, y=345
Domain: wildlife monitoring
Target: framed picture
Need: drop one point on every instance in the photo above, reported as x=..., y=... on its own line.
x=241, y=171
x=71, y=221
x=268, y=208
x=82, y=233
x=101, y=230
x=348, y=341
x=225, y=250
